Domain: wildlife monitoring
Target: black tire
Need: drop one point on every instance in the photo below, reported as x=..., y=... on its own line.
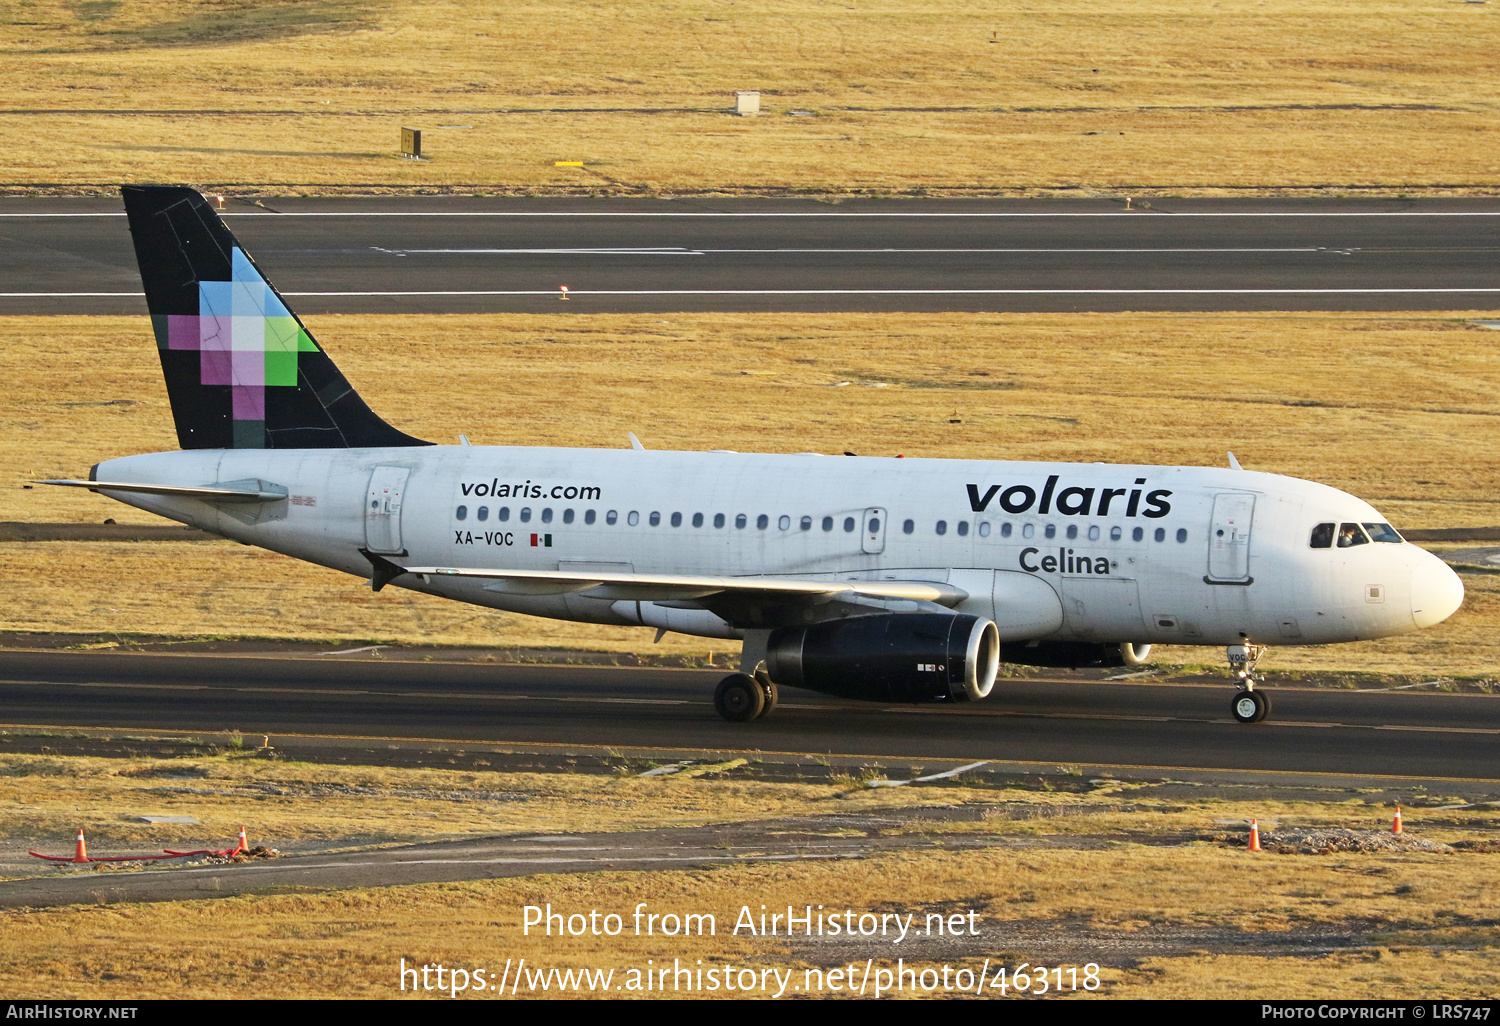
x=1250, y=706
x=739, y=698
x=768, y=691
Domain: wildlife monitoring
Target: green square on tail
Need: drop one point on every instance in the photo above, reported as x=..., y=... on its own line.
x=281, y=368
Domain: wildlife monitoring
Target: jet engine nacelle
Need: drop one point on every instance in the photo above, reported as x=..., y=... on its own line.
x=890, y=657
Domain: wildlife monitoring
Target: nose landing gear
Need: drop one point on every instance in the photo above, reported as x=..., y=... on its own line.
x=1248, y=705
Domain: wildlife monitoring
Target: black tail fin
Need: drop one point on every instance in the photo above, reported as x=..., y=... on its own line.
x=242, y=372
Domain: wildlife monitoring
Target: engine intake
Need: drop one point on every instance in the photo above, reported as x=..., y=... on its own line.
x=890, y=657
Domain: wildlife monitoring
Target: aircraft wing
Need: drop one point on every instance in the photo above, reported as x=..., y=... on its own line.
x=689, y=588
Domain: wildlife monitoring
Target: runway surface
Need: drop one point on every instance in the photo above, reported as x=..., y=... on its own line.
x=1129, y=723
x=454, y=254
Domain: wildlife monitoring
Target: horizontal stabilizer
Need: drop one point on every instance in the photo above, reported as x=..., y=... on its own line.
x=682, y=587
x=208, y=493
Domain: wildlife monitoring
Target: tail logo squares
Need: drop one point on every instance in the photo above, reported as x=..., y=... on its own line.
x=245, y=338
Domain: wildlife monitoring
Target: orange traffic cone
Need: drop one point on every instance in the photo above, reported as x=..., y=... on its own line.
x=1396, y=823
x=1254, y=844
x=82, y=852
x=241, y=846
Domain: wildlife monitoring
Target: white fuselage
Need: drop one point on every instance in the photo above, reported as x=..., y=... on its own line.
x=1109, y=553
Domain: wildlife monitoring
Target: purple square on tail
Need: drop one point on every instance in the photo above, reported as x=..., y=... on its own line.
x=215, y=367
x=249, y=402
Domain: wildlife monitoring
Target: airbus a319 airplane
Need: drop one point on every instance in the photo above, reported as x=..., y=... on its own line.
x=887, y=579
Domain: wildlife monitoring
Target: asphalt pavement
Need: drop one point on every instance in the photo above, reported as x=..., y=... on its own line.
x=460, y=254
x=1412, y=732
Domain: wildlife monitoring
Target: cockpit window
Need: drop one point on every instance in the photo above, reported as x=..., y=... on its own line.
x=1383, y=533
x=1351, y=535
x=1322, y=537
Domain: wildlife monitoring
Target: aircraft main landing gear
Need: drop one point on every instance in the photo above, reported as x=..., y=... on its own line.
x=767, y=688
x=739, y=698
x=1248, y=705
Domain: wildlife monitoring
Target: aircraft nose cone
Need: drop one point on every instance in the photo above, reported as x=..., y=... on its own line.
x=1436, y=591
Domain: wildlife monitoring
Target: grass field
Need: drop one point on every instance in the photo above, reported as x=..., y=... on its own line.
x=1155, y=96
x=1399, y=409
x=1103, y=879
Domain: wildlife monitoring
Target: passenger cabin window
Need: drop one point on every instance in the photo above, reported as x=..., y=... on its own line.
x=483, y=513
x=849, y=524
x=588, y=516
x=676, y=519
x=633, y=518
x=462, y=513
x=1384, y=533
x=525, y=514
x=784, y=524
x=1050, y=530
x=1161, y=534
x=1137, y=534
x=611, y=517
x=907, y=526
x=984, y=529
x=942, y=527
x=963, y=528
x=547, y=515
x=762, y=522
x=568, y=516
x=1322, y=537
x=1351, y=535
x=740, y=520
x=718, y=520
x=828, y=523
x=806, y=524
x=1182, y=534
x=697, y=519
x=1005, y=529
x=502, y=514
x=655, y=518
x=1072, y=531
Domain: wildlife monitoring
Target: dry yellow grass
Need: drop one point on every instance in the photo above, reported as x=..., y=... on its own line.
x=1399, y=409
x=302, y=806
x=350, y=943
x=1159, y=95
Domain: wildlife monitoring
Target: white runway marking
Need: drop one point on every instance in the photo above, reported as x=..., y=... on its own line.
x=902, y=292
x=681, y=251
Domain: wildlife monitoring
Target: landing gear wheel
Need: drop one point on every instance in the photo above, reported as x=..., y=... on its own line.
x=1250, y=706
x=739, y=698
x=768, y=690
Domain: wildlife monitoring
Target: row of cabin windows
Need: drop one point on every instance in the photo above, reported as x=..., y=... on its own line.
x=741, y=520
x=784, y=523
x=1350, y=535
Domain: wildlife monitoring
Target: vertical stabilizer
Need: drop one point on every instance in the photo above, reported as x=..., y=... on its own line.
x=242, y=371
